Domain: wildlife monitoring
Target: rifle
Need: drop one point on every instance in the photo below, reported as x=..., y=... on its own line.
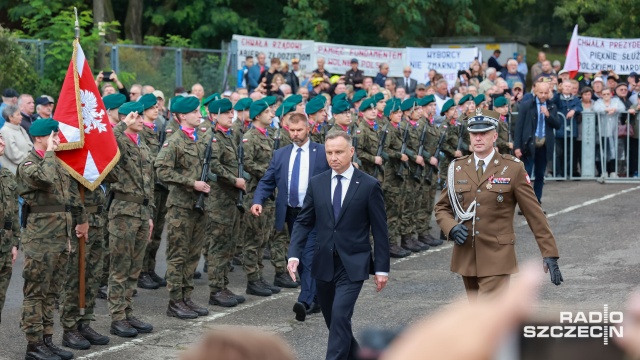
x=420, y=168
x=162, y=135
x=276, y=142
x=199, y=206
x=383, y=137
x=460, y=138
x=403, y=150
x=438, y=149
x=240, y=201
x=354, y=143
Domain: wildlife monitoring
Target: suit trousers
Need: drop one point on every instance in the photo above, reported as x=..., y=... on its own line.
x=536, y=166
x=484, y=287
x=307, y=283
x=337, y=301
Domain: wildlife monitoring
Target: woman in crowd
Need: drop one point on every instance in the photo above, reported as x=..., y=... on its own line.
x=608, y=109
x=476, y=71
x=18, y=143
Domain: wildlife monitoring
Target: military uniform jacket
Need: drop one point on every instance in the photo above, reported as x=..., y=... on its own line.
x=45, y=182
x=285, y=138
x=431, y=140
x=318, y=134
x=258, y=150
x=239, y=128
x=224, y=161
x=93, y=201
x=503, y=137
x=450, y=144
x=413, y=142
x=489, y=249
x=172, y=127
x=179, y=165
x=392, y=148
x=368, y=146
x=132, y=176
x=9, y=225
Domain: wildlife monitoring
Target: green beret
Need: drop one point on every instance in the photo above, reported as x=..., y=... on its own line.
x=409, y=104
x=465, y=98
x=340, y=106
x=284, y=109
x=270, y=100
x=114, y=101
x=426, y=100
x=393, y=105
x=314, y=105
x=479, y=99
x=368, y=103
x=43, y=127
x=210, y=98
x=220, y=106
x=339, y=97
x=359, y=95
x=499, y=102
x=378, y=97
x=148, y=100
x=131, y=106
x=446, y=106
x=257, y=107
x=243, y=104
x=185, y=105
x=294, y=99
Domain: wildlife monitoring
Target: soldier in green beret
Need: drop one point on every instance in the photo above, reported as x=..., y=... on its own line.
x=10, y=231
x=368, y=139
x=284, y=112
x=468, y=106
x=258, y=148
x=298, y=102
x=179, y=165
x=380, y=105
x=53, y=204
x=452, y=140
x=243, y=122
x=222, y=208
x=480, y=102
x=356, y=101
x=317, y=114
x=112, y=103
x=501, y=106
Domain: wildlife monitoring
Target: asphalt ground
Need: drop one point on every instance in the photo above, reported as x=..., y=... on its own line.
x=596, y=228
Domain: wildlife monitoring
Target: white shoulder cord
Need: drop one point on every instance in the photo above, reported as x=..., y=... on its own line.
x=460, y=213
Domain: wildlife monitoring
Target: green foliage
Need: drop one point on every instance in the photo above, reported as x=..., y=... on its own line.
x=303, y=20
x=600, y=18
x=18, y=71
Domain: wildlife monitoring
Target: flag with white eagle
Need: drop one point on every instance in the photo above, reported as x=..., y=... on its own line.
x=88, y=148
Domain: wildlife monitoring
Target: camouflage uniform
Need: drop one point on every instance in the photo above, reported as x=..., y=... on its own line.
x=286, y=137
x=425, y=207
x=179, y=165
x=257, y=154
x=278, y=241
x=393, y=187
x=318, y=133
x=368, y=140
x=47, y=188
x=408, y=224
x=10, y=230
x=69, y=306
x=221, y=209
x=449, y=147
x=503, y=138
x=129, y=214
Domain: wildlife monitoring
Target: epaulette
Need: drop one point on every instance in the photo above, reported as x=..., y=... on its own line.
x=511, y=157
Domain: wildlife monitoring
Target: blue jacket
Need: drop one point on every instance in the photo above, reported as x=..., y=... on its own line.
x=277, y=176
x=380, y=79
x=254, y=76
x=564, y=106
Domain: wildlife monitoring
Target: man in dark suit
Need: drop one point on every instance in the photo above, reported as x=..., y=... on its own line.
x=493, y=61
x=344, y=205
x=534, y=137
x=290, y=171
x=407, y=82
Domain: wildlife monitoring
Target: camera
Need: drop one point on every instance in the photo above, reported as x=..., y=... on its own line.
x=106, y=75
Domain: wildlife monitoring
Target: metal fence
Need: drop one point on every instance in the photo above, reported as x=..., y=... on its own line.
x=165, y=68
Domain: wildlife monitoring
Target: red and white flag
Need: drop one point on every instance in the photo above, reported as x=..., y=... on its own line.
x=572, y=63
x=88, y=148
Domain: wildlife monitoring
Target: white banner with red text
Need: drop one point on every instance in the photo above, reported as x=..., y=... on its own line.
x=587, y=54
x=445, y=61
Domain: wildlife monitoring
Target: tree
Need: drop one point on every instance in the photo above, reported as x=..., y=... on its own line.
x=600, y=18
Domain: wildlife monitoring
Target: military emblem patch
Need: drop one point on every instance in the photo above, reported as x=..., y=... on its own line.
x=27, y=163
x=165, y=145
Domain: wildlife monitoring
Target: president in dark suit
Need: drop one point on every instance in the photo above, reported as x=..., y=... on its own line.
x=407, y=82
x=535, y=134
x=290, y=171
x=344, y=205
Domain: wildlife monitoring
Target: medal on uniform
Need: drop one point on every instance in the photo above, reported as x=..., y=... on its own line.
x=458, y=168
x=500, y=198
x=489, y=186
x=495, y=161
x=469, y=161
x=460, y=198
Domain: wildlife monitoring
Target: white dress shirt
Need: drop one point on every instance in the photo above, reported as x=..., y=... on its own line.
x=346, y=180
x=303, y=180
x=486, y=160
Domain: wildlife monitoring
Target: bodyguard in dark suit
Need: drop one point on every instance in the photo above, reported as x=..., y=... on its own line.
x=535, y=134
x=290, y=171
x=344, y=205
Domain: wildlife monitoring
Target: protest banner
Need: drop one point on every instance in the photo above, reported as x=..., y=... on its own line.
x=284, y=49
x=444, y=60
x=338, y=58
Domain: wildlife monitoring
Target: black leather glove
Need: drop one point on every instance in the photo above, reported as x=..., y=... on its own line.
x=551, y=265
x=459, y=234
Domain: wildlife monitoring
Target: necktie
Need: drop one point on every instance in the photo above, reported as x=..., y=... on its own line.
x=294, y=200
x=540, y=129
x=337, y=197
x=480, y=170
x=406, y=84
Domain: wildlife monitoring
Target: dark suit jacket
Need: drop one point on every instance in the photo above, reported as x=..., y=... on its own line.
x=277, y=176
x=493, y=62
x=411, y=90
x=362, y=212
x=254, y=76
x=525, y=136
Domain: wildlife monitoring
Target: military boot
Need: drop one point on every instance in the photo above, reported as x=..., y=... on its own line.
x=237, y=260
x=258, y=288
x=141, y=326
x=422, y=246
x=197, y=274
x=201, y=311
x=145, y=282
x=407, y=244
x=274, y=289
x=266, y=254
x=39, y=351
x=102, y=292
x=180, y=310
x=122, y=328
x=73, y=339
x=396, y=251
x=284, y=280
x=221, y=298
x=160, y=281
x=62, y=354
x=239, y=298
x=94, y=337
x=429, y=240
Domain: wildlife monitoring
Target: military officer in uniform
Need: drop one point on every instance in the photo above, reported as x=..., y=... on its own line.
x=10, y=231
x=476, y=210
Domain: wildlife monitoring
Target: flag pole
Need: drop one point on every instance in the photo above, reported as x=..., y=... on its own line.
x=81, y=240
